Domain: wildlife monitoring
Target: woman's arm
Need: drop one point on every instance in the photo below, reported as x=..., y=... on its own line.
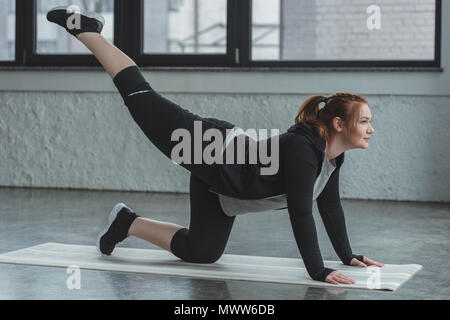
x=300, y=170
x=330, y=208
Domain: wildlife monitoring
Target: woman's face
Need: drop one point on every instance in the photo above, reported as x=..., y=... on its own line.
x=359, y=137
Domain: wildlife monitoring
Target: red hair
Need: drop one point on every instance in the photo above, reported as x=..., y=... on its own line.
x=345, y=105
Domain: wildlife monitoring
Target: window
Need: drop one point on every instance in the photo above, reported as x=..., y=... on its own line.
x=338, y=30
x=185, y=26
x=233, y=33
x=7, y=30
x=52, y=39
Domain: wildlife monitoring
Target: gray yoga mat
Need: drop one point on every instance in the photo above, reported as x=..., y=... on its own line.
x=228, y=267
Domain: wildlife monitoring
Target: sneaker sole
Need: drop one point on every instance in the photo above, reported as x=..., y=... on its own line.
x=112, y=216
x=89, y=14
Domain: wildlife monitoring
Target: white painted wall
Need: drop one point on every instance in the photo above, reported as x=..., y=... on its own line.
x=89, y=141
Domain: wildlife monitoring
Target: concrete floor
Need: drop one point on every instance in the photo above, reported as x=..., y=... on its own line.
x=389, y=232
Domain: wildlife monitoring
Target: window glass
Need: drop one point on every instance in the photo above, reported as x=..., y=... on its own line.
x=185, y=26
x=7, y=30
x=343, y=30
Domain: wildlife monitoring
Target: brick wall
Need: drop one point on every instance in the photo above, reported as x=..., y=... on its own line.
x=337, y=29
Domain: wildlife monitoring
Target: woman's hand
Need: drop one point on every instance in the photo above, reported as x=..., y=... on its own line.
x=367, y=262
x=337, y=277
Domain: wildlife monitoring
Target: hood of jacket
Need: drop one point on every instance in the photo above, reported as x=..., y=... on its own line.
x=310, y=132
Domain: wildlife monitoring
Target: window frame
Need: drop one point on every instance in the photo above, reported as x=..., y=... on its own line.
x=128, y=36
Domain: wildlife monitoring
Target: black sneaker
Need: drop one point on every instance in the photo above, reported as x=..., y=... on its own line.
x=119, y=222
x=88, y=21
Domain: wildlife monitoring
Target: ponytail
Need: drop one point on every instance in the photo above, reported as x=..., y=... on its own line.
x=309, y=114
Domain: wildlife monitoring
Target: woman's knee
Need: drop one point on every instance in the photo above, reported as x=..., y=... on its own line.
x=129, y=81
x=205, y=257
x=211, y=256
x=196, y=253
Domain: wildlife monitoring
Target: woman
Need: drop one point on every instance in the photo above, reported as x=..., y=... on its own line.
x=311, y=153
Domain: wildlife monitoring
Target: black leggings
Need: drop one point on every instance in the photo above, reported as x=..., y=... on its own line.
x=210, y=227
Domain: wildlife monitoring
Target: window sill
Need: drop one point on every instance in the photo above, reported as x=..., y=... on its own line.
x=233, y=69
x=222, y=80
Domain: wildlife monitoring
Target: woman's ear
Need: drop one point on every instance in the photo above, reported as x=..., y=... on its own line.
x=338, y=124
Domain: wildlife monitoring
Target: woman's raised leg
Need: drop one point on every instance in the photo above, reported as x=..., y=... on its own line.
x=157, y=116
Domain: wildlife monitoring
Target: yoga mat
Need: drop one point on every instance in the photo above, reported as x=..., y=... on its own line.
x=228, y=267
